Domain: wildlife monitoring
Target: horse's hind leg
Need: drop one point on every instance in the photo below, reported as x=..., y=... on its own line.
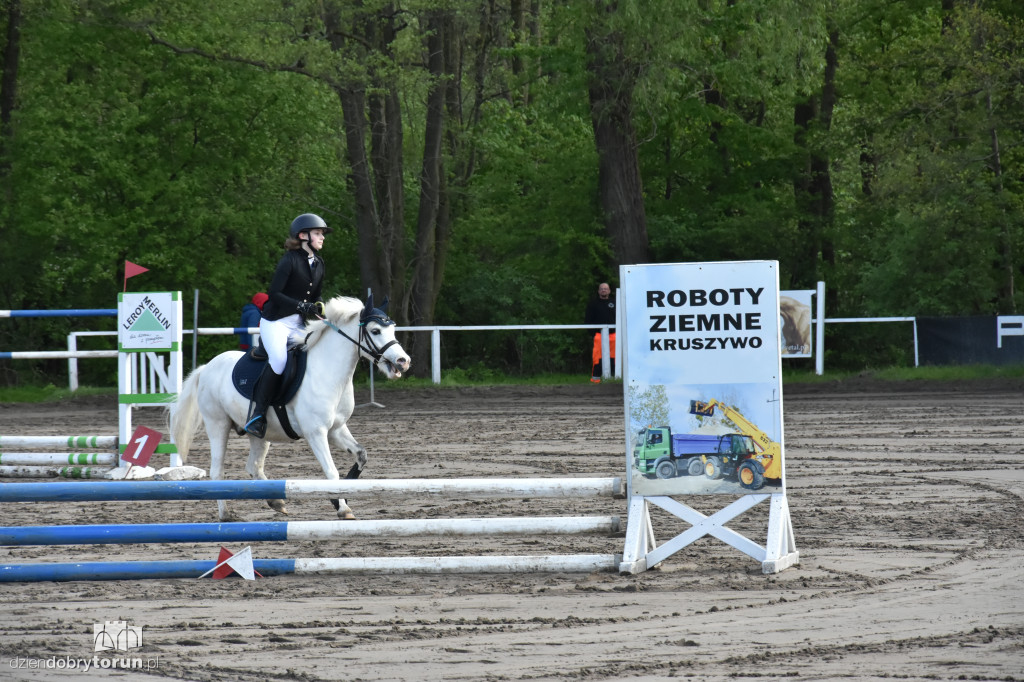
x=218, y=447
x=258, y=449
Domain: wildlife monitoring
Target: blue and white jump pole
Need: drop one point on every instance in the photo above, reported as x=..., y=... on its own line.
x=136, y=570
x=297, y=531
x=307, y=489
x=302, y=531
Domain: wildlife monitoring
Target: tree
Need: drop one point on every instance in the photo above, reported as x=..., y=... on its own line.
x=945, y=217
x=613, y=75
x=648, y=407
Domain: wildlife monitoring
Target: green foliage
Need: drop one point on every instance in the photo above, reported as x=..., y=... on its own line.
x=185, y=136
x=191, y=168
x=940, y=232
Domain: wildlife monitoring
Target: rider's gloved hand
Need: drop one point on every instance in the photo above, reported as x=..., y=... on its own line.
x=306, y=309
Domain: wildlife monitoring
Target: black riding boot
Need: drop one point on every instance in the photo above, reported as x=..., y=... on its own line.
x=262, y=395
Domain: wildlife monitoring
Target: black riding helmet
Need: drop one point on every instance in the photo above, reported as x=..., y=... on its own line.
x=308, y=221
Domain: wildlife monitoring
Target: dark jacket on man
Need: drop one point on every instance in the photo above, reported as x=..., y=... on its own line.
x=601, y=311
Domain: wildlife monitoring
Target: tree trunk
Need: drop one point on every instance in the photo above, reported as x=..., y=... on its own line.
x=388, y=170
x=620, y=188
x=353, y=106
x=813, y=189
x=9, y=84
x=432, y=227
x=1007, y=305
x=375, y=175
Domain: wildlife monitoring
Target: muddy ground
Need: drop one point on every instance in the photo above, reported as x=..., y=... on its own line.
x=907, y=502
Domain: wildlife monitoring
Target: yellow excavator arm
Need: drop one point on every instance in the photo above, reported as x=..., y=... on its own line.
x=771, y=452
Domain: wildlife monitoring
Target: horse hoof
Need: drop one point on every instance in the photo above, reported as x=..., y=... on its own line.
x=277, y=505
x=347, y=516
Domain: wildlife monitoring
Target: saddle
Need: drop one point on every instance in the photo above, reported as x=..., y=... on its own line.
x=248, y=369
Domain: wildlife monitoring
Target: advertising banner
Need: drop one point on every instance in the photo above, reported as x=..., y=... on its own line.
x=148, y=321
x=703, y=378
x=971, y=340
x=795, y=320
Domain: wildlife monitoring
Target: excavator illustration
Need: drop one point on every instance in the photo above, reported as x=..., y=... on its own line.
x=750, y=468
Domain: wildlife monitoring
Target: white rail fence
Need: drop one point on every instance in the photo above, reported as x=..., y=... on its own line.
x=150, y=374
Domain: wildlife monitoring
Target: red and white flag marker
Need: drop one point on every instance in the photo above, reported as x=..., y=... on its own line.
x=228, y=563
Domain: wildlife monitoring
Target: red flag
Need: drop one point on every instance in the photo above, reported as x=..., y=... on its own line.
x=223, y=569
x=130, y=270
x=228, y=563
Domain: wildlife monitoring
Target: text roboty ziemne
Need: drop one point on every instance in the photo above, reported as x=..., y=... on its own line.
x=672, y=312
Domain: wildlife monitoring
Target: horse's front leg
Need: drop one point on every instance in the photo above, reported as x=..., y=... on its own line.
x=341, y=438
x=320, y=444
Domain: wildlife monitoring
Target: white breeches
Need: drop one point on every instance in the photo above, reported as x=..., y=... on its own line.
x=277, y=335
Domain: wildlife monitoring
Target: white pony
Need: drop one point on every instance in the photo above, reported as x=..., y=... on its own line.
x=318, y=412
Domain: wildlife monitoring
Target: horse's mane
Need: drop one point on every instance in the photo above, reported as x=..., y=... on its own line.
x=339, y=310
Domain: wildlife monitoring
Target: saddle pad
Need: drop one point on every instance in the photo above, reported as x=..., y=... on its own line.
x=247, y=371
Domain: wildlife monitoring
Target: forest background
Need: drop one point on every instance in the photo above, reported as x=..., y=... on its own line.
x=491, y=161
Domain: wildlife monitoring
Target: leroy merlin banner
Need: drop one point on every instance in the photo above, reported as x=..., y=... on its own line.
x=703, y=377
x=148, y=321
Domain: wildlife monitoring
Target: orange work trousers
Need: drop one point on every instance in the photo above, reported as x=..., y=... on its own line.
x=597, y=346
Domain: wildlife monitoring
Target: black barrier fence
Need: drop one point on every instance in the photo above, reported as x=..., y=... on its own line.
x=976, y=340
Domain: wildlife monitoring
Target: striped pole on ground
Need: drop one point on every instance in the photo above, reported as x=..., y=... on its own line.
x=307, y=489
x=285, y=531
x=136, y=570
x=78, y=442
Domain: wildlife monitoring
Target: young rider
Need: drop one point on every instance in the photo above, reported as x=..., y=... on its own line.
x=294, y=299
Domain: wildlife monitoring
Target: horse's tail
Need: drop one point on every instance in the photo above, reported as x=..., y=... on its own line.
x=185, y=415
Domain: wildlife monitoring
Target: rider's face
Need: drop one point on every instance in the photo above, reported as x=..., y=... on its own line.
x=316, y=239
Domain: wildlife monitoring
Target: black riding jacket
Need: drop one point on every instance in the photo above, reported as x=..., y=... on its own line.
x=294, y=282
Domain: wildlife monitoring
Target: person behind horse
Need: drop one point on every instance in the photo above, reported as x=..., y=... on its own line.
x=601, y=311
x=294, y=298
x=251, y=315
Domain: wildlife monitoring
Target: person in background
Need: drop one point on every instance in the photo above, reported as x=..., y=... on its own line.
x=293, y=299
x=250, y=318
x=601, y=311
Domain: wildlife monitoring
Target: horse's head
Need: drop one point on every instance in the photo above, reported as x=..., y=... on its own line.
x=378, y=342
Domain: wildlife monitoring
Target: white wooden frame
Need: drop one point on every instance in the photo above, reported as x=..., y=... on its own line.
x=642, y=552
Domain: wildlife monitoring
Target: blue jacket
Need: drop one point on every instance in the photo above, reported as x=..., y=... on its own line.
x=250, y=318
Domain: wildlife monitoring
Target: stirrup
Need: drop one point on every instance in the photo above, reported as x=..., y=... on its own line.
x=257, y=426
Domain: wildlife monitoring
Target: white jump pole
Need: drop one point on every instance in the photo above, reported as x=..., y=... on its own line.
x=568, y=563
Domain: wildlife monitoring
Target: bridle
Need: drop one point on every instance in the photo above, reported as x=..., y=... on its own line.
x=371, y=348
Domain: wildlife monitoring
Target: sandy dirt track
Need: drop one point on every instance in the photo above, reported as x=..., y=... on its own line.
x=907, y=502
